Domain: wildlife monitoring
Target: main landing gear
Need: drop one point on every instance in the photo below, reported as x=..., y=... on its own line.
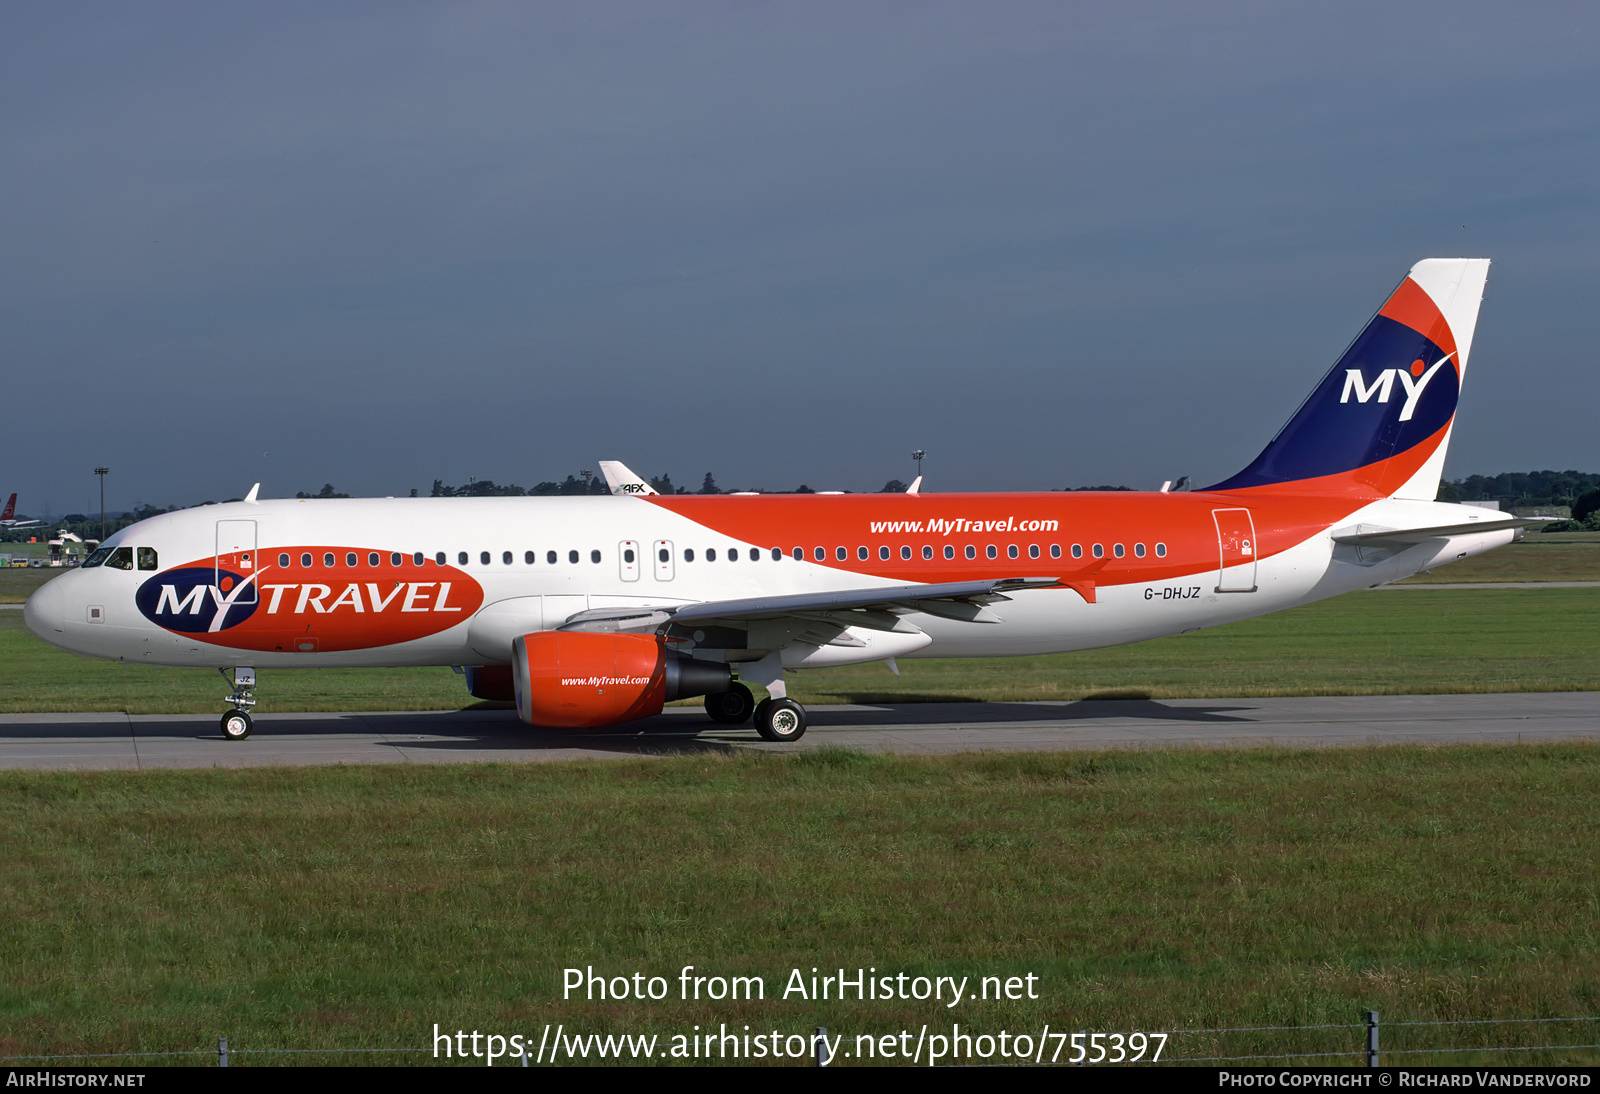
x=732, y=707
x=778, y=719
x=236, y=723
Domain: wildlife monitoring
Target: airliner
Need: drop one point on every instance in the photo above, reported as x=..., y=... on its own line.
x=7, y=519
x=594, y=611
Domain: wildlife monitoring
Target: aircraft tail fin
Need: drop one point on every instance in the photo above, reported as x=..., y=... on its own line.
x=623, y=481
x=11, y=508
x=1379, y=422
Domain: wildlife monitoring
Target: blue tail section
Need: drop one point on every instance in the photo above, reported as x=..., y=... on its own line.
x=1379, y=421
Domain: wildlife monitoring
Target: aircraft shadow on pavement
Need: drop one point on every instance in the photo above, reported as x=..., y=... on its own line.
x=688, y=731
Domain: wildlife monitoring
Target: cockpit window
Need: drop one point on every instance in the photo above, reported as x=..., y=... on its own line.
x=147, y=558
x=98, y=558
x=121, y=558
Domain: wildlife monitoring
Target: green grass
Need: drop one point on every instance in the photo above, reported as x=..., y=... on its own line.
x=1554, y=556
x=1369, y=643
x=355, y=907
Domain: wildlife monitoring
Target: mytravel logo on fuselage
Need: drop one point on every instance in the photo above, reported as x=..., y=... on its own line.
x=197, y=599
x=310, y=608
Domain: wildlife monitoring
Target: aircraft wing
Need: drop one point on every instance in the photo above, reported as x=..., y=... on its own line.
x=872, y=608
x=1408, y=536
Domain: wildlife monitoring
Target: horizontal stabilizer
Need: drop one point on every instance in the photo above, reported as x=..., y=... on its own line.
x=1417, y=535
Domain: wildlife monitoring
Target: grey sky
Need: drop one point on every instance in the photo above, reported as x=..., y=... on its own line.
x=380, y=244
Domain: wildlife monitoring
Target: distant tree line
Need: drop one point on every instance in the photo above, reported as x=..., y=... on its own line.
x=1520, y=489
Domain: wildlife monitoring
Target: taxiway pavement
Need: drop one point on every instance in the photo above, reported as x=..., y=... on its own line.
x=122, y=741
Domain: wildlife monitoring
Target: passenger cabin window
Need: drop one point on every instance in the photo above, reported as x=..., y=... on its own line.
x=372, y=559
x=395, y=558
x=505, y=557
x=733, y=554
x=327, y=560
x=550, y=557
x=483, y=558
x=1161, y=550
x=711, y=554
x=949, y=551
x=663, y=555
x=1116, y=549
x=283, y=562
x=461, y=558
x=688, y=554
x=417, y=558
x=305, y=560
x=972, y=552
x=1099, y=551
x=627, y=556
x=528, y=558
x=350, y=559
x=821, y=554
x=1011, y=551
x=594, y=556
x=991, y=551
x=777, y=553
x=572, y=557
x=799, y=554
x=1055, y=550
x=439, y=559
x=927, y=552
x=1077, y=550
x=841, y=554
x=1138, y=550
x=1033, y=550
x=755, y=554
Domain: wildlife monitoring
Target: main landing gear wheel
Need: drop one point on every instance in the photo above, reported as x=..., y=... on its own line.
x=780, y=720
x=236, y=725
x=732, y=707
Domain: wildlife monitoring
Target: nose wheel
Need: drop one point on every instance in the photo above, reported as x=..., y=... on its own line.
x=236, y=723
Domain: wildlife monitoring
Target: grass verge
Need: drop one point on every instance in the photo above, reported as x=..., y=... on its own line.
x=1371, y=643
x=340, y=908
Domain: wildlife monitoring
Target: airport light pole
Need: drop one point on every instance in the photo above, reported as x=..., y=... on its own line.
x=102, y=472
x=917, y=455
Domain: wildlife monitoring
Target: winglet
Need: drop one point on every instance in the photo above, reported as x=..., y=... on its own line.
x=251, y=496
x=623, y=481
x=916, y=485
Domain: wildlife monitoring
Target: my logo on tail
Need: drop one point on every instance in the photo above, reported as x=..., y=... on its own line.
x=1415, y=381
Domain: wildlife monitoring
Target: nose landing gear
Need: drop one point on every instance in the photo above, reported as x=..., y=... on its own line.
x=236, y=724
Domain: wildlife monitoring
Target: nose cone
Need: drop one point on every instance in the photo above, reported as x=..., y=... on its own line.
x=45, y=611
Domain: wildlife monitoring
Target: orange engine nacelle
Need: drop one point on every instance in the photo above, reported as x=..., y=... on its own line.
x=573, y=679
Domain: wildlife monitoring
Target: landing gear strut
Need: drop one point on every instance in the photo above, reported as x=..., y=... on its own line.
x=236, y=724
